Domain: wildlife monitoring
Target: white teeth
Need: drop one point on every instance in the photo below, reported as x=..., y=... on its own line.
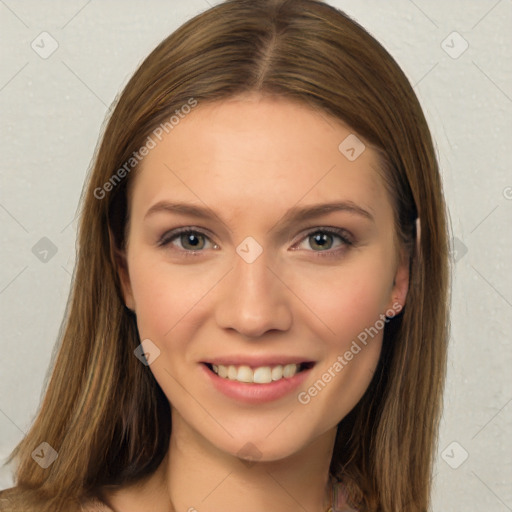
x=277, y=372
x=289, y=370
x=232, y=372
x=245, y=374
x=260, y=375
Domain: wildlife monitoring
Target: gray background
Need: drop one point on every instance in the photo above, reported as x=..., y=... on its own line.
x=53, y=109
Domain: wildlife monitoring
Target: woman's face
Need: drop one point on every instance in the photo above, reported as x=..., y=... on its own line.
x=265, y=284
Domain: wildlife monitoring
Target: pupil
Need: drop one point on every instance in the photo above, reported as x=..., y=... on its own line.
x=192, y=240
x=321, y=239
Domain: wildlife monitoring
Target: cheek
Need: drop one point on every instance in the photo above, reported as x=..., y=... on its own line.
x=338, y=303
x=351, y=307
x=350, y=303
x=168, y=296
x=346, y=300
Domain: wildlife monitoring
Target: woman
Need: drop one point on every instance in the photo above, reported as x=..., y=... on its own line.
x=256, y=318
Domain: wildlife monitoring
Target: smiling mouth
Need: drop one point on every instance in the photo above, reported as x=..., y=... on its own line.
x=259, y=375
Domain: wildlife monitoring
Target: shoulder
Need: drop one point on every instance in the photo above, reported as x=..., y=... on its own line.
x=94, y=505
x=341, y=501
x=15, y=499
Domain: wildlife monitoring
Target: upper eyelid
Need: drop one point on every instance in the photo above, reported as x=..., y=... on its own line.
x=343, y=233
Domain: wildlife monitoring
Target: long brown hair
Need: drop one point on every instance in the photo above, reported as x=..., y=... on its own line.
x=103, y=411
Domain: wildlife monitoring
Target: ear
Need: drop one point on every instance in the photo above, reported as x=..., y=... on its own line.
x=124, y=278
x=118, y=256
x=401, y=280
x=400, y=283
x=119, y=260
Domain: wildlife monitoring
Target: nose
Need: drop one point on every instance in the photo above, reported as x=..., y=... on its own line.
x=253, y=299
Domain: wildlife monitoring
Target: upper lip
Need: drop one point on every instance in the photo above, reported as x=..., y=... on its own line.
x=257, y=361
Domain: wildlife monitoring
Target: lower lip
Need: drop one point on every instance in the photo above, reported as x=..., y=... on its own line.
x=256, y=393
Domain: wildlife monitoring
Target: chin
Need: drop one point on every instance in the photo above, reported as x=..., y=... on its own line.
x=253, y=451
x=266, y=444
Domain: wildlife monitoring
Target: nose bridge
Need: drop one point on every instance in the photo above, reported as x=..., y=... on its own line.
x=253, y=299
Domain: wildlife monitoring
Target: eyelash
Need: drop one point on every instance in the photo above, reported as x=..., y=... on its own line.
x=345, y=237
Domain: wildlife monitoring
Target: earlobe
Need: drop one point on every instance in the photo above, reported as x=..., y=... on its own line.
x=124, y=278
x=119, y=260
x=402, y=276
x=400, y=283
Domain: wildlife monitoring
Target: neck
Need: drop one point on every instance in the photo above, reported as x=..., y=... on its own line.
x=200, y=477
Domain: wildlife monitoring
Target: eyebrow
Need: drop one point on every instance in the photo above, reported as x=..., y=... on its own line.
x=292, y=216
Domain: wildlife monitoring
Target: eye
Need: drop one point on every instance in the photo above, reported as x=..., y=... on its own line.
x=324, y=239
x=190, y=240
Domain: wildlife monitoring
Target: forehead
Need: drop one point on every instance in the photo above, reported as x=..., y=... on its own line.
x=259, y=153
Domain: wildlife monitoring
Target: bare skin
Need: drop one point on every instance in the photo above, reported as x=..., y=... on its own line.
x=251, y=159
